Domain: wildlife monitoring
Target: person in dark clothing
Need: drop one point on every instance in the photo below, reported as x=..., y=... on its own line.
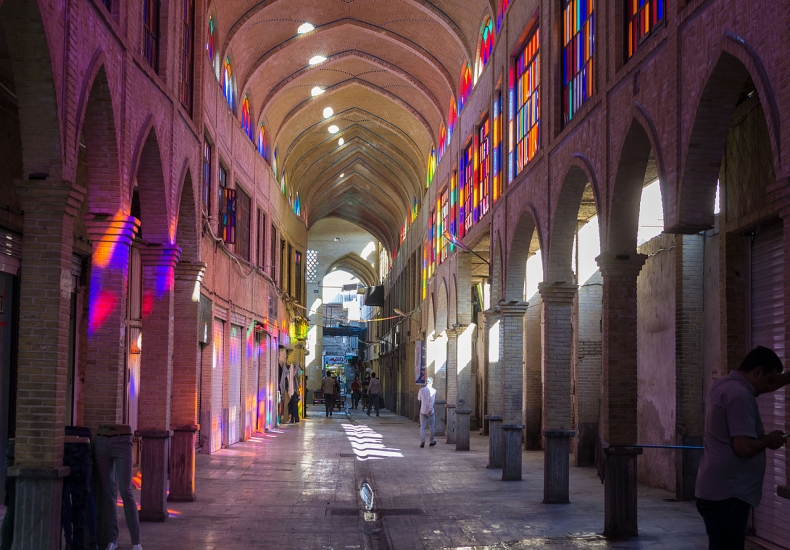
x=328, y=389
x=356, y=393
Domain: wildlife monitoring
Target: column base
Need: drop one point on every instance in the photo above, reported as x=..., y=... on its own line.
x=450, y=423
x=494, y=441
x=620, y=506
x=511, y=452
x=153, y=464
x=182, y=464
x=556, y=467
x=37, y=506
x=462, y=429
x=441, y=417
x=686, y=466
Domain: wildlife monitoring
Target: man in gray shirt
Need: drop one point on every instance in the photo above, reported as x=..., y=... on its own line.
x=732, y=467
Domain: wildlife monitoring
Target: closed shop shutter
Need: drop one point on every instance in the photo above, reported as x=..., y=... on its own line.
x=217, y=379
x=767, y=329
x=234, y=386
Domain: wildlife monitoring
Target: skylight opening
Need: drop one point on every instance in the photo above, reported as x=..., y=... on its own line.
x=305, y=27
x=333, y=129
x=317, y=90
x=316, y=59
x=341, y=141
x=328, y=112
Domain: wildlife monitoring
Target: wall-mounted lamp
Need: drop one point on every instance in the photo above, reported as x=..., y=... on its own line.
x=462, y=246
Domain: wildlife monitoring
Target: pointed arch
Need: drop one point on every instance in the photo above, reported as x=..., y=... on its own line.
x=187, y=233
x=149, y=179
x=354, y=264
x=521, y=243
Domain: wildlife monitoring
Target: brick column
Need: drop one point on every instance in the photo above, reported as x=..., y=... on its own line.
x=439, y=384
x=557, y=352
x=452, y=383
x=463, y=358
x=511, y=358
x=533, y=398
x=105, y=389
x=185, y=380
x=619, y=407
x=45, y=303
x=156, y=375
x=511, y=454
x=450, y=408
x=493, y=387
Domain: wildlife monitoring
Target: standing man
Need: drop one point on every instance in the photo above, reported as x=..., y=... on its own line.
x=426, y=396
x=732, y=467
x=356, y=391
x=374, y=388
x=328, y=389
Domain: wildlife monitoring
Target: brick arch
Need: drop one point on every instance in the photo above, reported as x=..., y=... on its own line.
x=736, y=62
x=442, y=301
x=358, y=267
x=34, y=83
x=559, y=263
x=518, y=253
x=148, y=172
x=187, y=233
x=97, y=129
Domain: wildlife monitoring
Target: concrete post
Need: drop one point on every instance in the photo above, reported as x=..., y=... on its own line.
x=511, y=457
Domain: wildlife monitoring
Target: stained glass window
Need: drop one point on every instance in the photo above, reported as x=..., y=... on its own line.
x=262, y=145
x=246, y=122
x=496, y=136
x=453, y=207
x=274, y=163
x=439, y=241
x=442, y=140
x=415, y=209
x=206, y=194
x=445, y=213
x=424, y=269
x=466, y=195
x=227, y=83
x=578, y=38
x=188, y=54
x=298, y=205
x=483, y=160
x=452, y=118
x=244, y=219
x=210, y=40
x=464, y=87
x=641, y=18
x=402, y=232
x=432, y=244
x=525, y=106
x=500, y=14
x=431, y=167
x=486, y=47
x=151, y=33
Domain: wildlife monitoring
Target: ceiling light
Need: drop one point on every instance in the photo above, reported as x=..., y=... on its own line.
x=328, y=112
x=317, y=90
x=316, y=59
x=305, y=27
x=341, y=141
x=333, y=129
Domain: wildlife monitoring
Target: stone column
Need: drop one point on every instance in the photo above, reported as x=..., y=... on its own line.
x=45, y=303
x=156, y=375
x=619, y=407
x=494, y=388
x=105, y=386
x=511, y=456
x=463, y=356
x=185, y=380
x=450, y=408
x=462, y=419
x=557, y=353
x=511, y=358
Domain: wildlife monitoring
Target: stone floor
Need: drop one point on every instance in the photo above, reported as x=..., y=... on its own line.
x=298, y=488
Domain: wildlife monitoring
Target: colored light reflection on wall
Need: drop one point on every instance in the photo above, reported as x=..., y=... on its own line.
x=102, y=303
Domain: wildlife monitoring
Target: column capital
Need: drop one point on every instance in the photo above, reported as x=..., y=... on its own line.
x=56, y=196
x=160, y=255
x=620, y=265
x=513, y=308
x=112, y=229
x=557, y=293
x=455, y=331
x=190, y=271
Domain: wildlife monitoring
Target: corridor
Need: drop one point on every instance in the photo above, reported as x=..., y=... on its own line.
x=296, y=488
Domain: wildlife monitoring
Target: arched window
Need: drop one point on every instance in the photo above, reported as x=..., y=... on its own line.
x=227, y=83
x=485, y=47
x=246, y=122
x=500, y=14
x=525, y=106
x=464, y=86
x=210, y=40
x=262, y=145
x=415, y=209
x=298, y=205
x=452, y=118
x=431, y=167
x=578, y=41
x=274, y=163
x=442, y=140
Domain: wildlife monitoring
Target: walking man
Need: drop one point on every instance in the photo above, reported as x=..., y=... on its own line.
x=328, y=389
x=426, y=396
x=732, y=467
x=374, y=388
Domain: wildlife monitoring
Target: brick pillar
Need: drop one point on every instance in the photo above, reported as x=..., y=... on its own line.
x=511, y=359
x=45, y=302
x=463, y=358
x=511, y=452
x=493, y=388
x=619, y=407
x=109, y=282
x=439, y=383
x=156, y=375
x=452, y=383
x=533, y=398
x=689, y=312
x=185, y=380
x=557, y=352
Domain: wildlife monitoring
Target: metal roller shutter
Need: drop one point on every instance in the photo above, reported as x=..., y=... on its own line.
x=217, y=380
x=234, y=386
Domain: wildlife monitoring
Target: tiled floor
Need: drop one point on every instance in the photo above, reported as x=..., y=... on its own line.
x=298, y=488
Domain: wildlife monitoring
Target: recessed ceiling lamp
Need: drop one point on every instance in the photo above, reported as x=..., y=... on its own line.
x=305, y=27
x=333, y=129
x=341, y=141
x=328, y=112
x=317, y=90
x=316, y=59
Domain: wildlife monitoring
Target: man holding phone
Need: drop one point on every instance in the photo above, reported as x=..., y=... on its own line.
x=732, y=467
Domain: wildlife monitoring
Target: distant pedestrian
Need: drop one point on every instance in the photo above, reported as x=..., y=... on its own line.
x=328, y=389
x=374, y=388
x=732, y=467
x=356, y=393
x=293, y=406
x=427, y=396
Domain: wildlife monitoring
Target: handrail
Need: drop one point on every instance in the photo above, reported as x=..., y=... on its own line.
x=648, y=446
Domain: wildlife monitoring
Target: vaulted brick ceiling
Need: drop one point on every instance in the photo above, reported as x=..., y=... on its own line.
x=391, y=69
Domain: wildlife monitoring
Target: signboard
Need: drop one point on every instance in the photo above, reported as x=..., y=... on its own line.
x=420, y=373
x=334, y=359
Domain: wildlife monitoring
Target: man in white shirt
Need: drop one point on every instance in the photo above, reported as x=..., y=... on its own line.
x=427, y=396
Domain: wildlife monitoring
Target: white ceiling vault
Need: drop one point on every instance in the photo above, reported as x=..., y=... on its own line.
x=391, y=70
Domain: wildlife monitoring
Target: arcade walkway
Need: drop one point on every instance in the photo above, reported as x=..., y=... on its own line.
x=297, y=488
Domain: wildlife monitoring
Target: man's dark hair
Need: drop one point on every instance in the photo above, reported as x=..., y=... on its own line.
x=373, y=375
x=761, y=357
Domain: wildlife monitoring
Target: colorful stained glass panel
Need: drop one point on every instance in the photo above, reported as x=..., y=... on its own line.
x=525, y=101
x=486, y=47
x=578, y=24
x=641, y=18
